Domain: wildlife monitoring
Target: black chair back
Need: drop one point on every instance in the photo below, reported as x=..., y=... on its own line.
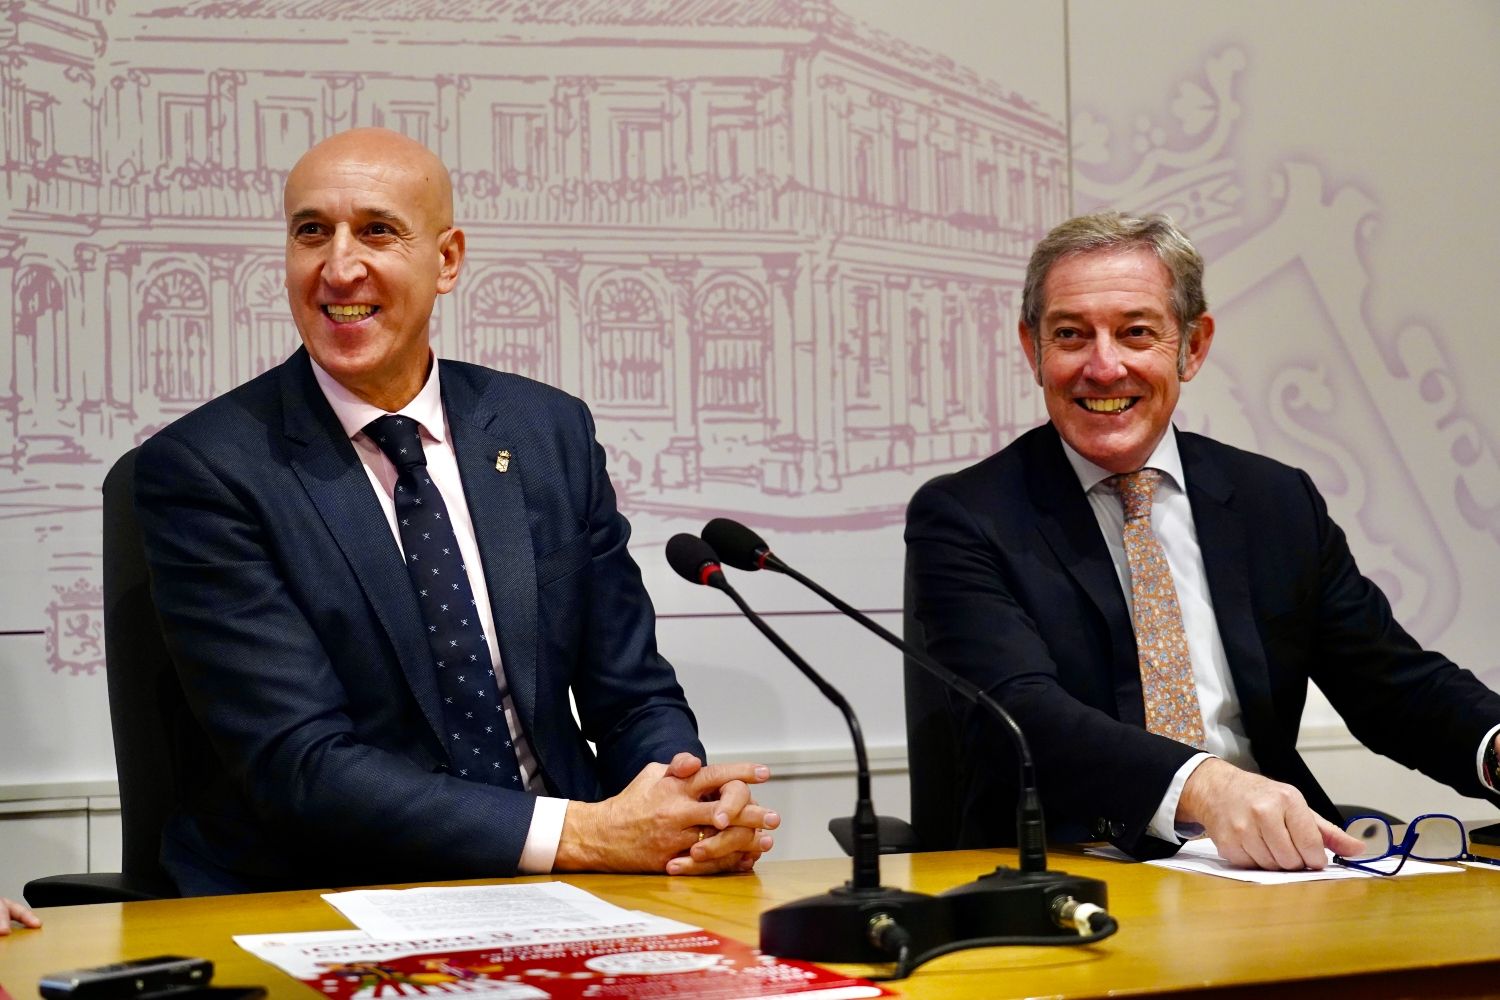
x=933, y=749
x=155, y=736
x=154, y=732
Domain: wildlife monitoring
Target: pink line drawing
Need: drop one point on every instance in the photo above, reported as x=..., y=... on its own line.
x=779, y=252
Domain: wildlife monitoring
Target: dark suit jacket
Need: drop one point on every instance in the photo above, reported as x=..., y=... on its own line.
x=1015, y=588
x=290, y=615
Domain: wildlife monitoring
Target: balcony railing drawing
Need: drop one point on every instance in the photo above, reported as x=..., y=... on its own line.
x=699, y=202
x=62, y=185
x=828, y=213
x=761, y=203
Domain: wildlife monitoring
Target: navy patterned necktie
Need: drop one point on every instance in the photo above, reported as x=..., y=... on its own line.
x=479, y=744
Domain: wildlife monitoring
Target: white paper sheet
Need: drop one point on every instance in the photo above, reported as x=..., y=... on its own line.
x=1202, y=857
x=401, y=914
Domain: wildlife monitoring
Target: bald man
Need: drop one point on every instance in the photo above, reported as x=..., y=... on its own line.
x=381, y=576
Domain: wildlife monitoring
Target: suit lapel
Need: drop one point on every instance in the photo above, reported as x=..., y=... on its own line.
x=497, y=505
x=1223, y=538
x=324, y=461
x=1067, y=523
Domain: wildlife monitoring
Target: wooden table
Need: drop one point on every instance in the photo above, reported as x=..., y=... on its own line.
x=1428, y=936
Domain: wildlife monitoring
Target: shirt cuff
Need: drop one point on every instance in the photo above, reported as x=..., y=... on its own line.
x=1164, y=825
x=1484, y=745
x=540, y=849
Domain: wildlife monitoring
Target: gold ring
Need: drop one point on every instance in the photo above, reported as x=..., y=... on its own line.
x=701, y=835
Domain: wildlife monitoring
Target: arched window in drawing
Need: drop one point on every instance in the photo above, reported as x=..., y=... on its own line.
x=39, y=133
x=988, y=347
x=41, y=348
x=987, y=191
x=640, y=146
x=866, y=365
x=272, y=336
x=1015, y=193
x=731, y=331
x=508, y=326
x=1042, y=191
x=412, y=119
x=627, y=338
x=174, y=356
x=284, y=130
x=184, y=130
x=862, y=167
x=904, y=168
x=865, y=353
x=948, y=175
x=732, y=144
x=951, y=347
x=520, y=146
x=916, y=356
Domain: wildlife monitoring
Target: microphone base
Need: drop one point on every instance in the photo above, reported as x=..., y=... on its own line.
x=835, y=927
x=1009, y=902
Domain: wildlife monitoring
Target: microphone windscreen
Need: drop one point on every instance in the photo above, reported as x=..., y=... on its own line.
x=735, y=544
x=688, y=555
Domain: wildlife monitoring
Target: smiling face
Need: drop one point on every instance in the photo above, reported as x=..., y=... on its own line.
x=370, y=245
x=1109, y=354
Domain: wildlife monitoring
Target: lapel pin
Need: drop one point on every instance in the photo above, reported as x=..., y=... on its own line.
x=502, y=461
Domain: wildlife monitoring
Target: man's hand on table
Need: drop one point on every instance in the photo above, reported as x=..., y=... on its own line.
x=682, y=818
x=10, y=910
x=1258, y=823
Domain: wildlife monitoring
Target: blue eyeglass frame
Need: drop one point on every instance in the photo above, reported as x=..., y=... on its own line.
x=1404, y=848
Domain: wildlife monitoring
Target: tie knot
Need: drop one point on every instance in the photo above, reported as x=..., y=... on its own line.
x=1135, y=490
x=400, y=438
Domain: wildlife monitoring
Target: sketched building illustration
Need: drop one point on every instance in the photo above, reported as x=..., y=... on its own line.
x=772, y=248
x=778, y=252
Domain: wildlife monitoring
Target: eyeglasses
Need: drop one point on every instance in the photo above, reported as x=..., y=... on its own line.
x=1430, y=837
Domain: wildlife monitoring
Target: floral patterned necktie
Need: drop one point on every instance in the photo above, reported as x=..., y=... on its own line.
x=1167, y=684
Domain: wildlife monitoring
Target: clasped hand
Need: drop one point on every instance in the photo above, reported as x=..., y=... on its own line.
x=682, y=818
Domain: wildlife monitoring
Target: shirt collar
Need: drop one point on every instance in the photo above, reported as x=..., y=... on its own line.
x=354, y=414
x=1165, y=459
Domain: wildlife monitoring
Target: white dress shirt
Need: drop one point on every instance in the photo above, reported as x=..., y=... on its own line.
x=540, y=849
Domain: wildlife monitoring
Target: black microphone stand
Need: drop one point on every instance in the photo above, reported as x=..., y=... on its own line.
x=1008, y=902
x=860, y=921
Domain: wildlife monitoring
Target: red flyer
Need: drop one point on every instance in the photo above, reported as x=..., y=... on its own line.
x=688, y=963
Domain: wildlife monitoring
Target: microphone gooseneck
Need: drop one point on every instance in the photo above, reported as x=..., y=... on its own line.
x=742, y=548
x=861, y=921
x=695, y=561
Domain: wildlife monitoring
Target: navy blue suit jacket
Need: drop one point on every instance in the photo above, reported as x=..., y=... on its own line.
x=290, y=616
x=1015, y=588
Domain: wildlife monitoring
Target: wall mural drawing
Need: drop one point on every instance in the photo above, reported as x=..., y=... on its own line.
x=777, y=250
x=779, y=267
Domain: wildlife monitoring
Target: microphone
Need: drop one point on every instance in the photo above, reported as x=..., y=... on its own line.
x=696, y=562
x=861, y=921
x=742, y=548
